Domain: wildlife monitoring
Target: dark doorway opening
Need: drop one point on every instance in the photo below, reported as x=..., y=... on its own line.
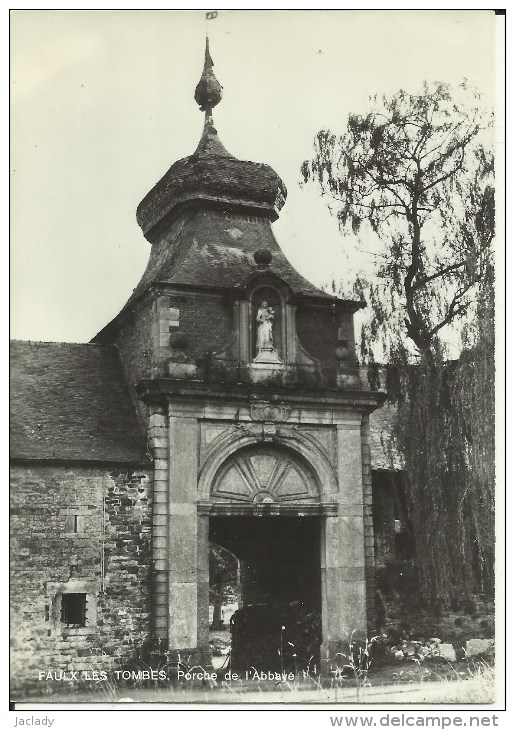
x=278, y=626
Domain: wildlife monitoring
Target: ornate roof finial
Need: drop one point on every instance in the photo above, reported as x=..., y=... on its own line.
x=207, y=95
x=209, y=91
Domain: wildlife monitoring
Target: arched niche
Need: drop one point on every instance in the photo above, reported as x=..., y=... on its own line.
x=270, y=295
x=265, y=474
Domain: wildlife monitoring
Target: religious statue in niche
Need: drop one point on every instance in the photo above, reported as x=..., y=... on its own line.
x=266, y=351
x=265, y=317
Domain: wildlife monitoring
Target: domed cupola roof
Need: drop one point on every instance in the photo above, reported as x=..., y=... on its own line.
x=211, y=175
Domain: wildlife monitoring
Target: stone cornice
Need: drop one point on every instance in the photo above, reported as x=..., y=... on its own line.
x=168, y=389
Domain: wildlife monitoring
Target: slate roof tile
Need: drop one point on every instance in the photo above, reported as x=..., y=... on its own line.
x=69, y=402
x=214, y=249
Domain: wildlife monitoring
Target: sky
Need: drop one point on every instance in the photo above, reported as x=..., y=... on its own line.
x=102, y=105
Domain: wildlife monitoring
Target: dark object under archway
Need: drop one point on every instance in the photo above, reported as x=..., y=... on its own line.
x=275, y=638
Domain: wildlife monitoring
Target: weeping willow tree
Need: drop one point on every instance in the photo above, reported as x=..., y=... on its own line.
x=413, y=178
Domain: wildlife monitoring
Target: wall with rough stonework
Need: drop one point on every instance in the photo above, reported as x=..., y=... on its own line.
x=108, y=558
x=136, y=343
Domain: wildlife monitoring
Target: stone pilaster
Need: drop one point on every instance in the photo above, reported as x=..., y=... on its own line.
x=344, y=612
x=244, y=332
x=188, y=545
x=370, y=566
x=158, y=440
x=203, y=589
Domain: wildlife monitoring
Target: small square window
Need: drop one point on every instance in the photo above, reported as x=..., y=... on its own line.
x=74, y=525
x=73, y=609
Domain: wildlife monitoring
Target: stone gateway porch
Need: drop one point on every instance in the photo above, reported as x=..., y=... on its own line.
x=229, y=470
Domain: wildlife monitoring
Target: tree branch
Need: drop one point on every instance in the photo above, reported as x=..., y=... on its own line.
x=453, y=310
x=448, y=174
x=424, y=280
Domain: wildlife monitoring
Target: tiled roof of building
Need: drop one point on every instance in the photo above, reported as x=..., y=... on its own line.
x=70, y=402
x=215, y=249
x=213, y=176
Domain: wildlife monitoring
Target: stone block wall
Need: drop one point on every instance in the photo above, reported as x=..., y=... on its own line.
x=212, y=323
x=81, y=530
x=207, y=323
x=317, y=332
x=135, y=342
x=320, y=330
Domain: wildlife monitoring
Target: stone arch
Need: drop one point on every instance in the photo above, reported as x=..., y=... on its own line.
x=260, y=279
x=264, y=473
x=302, y=452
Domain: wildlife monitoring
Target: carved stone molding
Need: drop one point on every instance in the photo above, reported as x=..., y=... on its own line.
x=269, y=431
x=265, y=509
x=264, y=411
